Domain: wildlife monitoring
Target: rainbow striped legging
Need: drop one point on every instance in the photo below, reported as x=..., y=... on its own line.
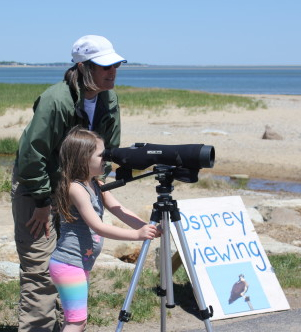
x=72, y=283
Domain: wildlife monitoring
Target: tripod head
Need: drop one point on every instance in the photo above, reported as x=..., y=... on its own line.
x=164, y=174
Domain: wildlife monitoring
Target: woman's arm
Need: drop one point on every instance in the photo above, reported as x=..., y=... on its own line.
x=81, y=199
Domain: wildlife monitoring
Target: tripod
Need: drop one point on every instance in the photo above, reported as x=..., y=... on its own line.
x=164, y=208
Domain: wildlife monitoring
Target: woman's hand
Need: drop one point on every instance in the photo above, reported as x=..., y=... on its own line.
x=40, y=221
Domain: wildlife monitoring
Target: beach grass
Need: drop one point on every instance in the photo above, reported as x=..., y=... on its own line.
x=136, y=100
x=5, y=179
x=288, y=269
x=19, y=96
x=209, y=181
x=8, y=146
x=108, y=289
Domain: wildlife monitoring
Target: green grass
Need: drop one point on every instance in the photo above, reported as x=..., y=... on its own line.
x=145, y=300
x=209, y=182
x=288, y=269
x=9, y=297
x=135, y=100
x=8, y=145
x=19, y=95
x=139, y=99
x=5, y=179
x=8, y=148
x=9, y=294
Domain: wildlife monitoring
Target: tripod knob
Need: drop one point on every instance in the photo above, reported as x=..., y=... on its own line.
x=124, y=316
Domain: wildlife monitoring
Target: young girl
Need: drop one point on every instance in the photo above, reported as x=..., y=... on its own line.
x=81, y=205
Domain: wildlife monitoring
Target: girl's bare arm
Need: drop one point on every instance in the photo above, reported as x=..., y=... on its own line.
x=81, y=199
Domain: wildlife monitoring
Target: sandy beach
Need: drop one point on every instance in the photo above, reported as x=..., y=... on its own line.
x=236, y=135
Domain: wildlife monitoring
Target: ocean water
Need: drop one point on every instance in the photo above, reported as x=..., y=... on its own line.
x=236, y=80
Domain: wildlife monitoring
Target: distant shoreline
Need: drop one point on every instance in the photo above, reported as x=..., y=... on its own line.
x=33, y=66
x=144, y=66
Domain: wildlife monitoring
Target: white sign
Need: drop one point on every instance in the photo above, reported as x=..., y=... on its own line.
x=233, y=270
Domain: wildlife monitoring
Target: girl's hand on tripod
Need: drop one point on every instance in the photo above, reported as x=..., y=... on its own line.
x=147, y=232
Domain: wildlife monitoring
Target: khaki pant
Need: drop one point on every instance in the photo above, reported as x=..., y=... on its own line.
x=39, y=304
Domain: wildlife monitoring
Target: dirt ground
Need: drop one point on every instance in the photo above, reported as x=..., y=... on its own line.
x=237, y=138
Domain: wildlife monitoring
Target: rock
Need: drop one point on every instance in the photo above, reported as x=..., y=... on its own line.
x=266, y=212
x=285, y=212
x=271, y=134
x=130, y=257
x=128, y=253
x=9, y=269
x=214, y=132
x=285, y=216
x=239, y=177
x=4, y=239
x=255, y=215
x=274, y=247
x=296, y=243
x=110, y=262
x=288, y=203
x=8, y=252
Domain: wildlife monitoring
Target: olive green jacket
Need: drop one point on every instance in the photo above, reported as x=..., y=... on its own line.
x=56, y=111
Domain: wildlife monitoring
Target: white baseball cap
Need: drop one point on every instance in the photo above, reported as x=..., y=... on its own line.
x=97, y=49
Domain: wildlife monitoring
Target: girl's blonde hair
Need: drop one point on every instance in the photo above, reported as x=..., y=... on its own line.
x=75, y=154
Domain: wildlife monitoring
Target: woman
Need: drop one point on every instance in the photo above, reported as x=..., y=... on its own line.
x=85, y=97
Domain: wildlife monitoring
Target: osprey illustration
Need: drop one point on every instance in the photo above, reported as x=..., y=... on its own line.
x=239, y=289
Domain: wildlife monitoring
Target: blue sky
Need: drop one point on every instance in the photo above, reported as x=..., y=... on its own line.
x=165, y=32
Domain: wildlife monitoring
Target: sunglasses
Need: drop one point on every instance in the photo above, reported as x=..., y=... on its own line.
x=115, y=65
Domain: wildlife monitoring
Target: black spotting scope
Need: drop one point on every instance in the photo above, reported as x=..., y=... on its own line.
x=143, y=155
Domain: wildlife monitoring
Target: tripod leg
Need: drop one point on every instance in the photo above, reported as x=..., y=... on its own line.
x=166, y=291
x=124, y=315
x=167, y=260
x=195, y=283
x=162, y=291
